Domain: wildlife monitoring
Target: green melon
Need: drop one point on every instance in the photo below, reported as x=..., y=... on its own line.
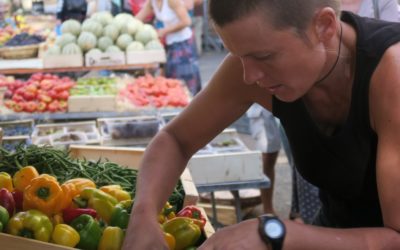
x=71, y=26
x=87, y=41
x=104, y=42
x=123, y=41
x=71, y=49
x=92, y=26
x=65, y=39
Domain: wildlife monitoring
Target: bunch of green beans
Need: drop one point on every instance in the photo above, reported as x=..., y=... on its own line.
x=58, y=163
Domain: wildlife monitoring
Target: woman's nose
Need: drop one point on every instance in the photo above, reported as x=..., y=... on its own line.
x=252, y=72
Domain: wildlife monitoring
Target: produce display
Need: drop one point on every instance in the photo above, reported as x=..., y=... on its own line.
x=81, y=204
x=24, y=39
x=154, y=92
x=16, y=128
x=6, y=34
x=40, y=93
x=95, y=86
x=105, y=33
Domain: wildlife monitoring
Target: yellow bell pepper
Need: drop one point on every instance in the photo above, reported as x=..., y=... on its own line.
x=45, y=194
x=167, y=213
x=65, y=235
x=22, y=178
x=112, y=239
x=6, y=181
x=80, y=184
x=185, y=231
x=117, y=192
x=31, y=224
x=57, y=219
x=170, y=239
x=102, y=202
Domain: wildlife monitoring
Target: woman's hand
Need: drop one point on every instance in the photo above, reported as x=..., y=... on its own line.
x=239, y=236
x=144, y=233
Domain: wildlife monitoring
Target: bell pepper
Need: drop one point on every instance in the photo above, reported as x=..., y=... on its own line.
x=89, y=231
x=102, y=202
x=7, y=201
x=117, y=192
x=65, y=235
x=70, y=192
x=4, y=217
x=194, y=213
x=69, y=214
x=167, y=213
x=112, y=239
x=184, y=230
x=170, y=239
x=31, y=224
x=45, y=194
x=121, y=213
x=57, y=219
x=18, y=199
x=22, y=178
x=6, y=181
x=80, y=184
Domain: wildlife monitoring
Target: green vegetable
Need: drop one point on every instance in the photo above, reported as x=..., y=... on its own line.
x=48, y=160
x=4, y=217
x=89, y=231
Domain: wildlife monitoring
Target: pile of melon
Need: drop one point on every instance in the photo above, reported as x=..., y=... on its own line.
x=104, y=33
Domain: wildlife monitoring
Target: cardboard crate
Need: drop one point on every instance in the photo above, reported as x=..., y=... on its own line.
x=17, y=128
x=84, y=103
x=62, y=61
x=146, y=56
x=104, y=59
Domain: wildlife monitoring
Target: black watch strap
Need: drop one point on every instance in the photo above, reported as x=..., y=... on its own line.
x=276, y=243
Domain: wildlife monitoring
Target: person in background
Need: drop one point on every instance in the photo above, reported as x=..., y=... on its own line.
x=264, y=129
x=72, y=9
x=198, y=13
x=379, y=9
x=332, y=79
x=5, y=19
x=182, y=61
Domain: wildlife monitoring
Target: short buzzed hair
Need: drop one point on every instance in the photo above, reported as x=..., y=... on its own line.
x=295, y=14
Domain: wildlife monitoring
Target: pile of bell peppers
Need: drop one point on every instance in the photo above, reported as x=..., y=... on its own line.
x=77, y=214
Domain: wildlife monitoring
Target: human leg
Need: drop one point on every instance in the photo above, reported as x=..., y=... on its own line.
x=265, y=131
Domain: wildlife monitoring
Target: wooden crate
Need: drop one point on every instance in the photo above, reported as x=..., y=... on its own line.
x=131, y=158
x=102, y=103
x=11, y=242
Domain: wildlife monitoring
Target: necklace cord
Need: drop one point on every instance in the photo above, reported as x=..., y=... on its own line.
x=337, y=58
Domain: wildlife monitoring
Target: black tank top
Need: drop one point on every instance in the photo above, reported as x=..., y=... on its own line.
x=343, y=165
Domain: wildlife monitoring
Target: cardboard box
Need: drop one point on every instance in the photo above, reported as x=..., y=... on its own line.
x=104, y=59
x=92, y=103
x=146, y=56
x=62, y=61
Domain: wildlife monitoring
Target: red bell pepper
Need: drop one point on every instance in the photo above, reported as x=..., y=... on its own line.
x=194, y=213
x=69, y=214
x=7, y=201
x=18, y=199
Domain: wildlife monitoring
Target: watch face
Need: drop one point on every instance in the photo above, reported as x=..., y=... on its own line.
x=273, y=228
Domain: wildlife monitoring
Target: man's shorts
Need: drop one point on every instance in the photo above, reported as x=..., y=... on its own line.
x=264, y=128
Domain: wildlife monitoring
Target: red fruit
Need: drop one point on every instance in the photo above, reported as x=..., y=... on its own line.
x=44, y=98
x=37, y=77
x=17, y=98
x=46, y=84
x=53, y=94
x=18, y=198
x=63, y=104
x=41, y=106
x=30, y=106
x=9, y=104
x=53, y=106
x=29, y=95
x=63, y=95
x=18, y=107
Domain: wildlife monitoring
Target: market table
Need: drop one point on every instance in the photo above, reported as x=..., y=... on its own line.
x=234, y=187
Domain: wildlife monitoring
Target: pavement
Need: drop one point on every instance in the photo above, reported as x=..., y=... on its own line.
x=208, y=63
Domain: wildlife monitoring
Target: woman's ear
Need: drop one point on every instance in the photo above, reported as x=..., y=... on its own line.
x=325, y=24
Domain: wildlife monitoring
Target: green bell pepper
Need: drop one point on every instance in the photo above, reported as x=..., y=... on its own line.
x=121, y=214
x=4, y=217
x=89, y=231
x=31, y=224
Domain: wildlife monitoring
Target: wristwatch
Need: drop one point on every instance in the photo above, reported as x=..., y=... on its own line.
x=272, y=231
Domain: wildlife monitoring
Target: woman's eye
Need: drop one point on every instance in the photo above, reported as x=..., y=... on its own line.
x=263, y=57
